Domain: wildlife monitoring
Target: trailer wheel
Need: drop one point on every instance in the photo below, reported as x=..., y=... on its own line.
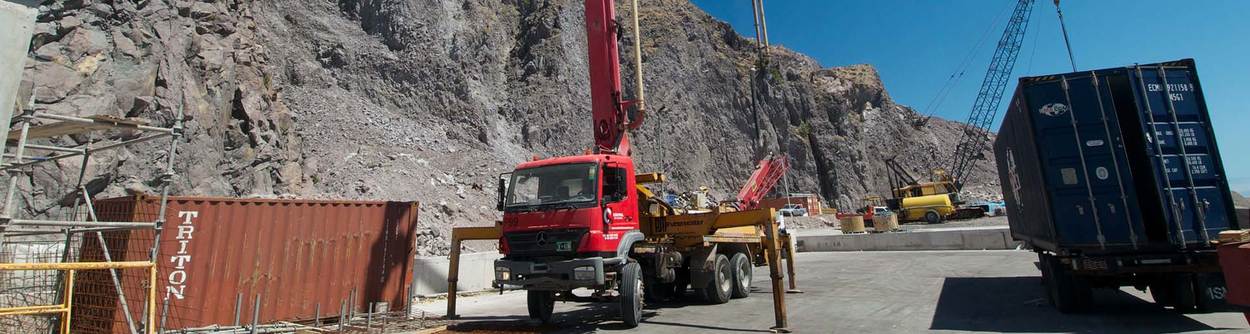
x=742, y=275
x=932, y=217
x=1184, y=297
x=1067, y=292
x=718, y=289
x=541, y=305
x=631, y=294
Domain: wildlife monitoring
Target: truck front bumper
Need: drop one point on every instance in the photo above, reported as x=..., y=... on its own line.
x=554, y=275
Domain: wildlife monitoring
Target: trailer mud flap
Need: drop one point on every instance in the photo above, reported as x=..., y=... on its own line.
x=701, y=262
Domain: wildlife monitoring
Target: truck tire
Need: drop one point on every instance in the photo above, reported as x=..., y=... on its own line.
x=742, y=275
x=932, y=217
x=541, y=305
x=1067, y=292
x=718, y=288
x=631, y=294
x=1185, y=299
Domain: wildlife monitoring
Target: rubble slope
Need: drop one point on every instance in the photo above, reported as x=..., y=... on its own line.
x=429, y=100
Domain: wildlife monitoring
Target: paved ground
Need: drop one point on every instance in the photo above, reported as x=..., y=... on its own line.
x=826, y=224
x=873, y=292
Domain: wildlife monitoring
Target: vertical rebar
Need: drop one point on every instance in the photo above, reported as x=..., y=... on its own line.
x=342, y=313
x=238, y=307
x=351, y=305
x=164, y=314
x=369, y=319
x=255, y=313
x=317, y=317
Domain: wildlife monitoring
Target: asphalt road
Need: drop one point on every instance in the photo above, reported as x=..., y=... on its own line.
x=871, y=292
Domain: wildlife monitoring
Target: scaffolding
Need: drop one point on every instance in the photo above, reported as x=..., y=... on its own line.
x=54, y=269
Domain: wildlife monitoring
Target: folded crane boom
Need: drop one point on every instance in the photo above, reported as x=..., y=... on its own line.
x=766, y=176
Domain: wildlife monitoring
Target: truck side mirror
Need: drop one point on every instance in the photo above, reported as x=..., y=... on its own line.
x=502, y=191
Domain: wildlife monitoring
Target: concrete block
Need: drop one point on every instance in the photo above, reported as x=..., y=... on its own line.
x=429, y=274
x=17, y=23
x=944, y=239
x=1243, y=215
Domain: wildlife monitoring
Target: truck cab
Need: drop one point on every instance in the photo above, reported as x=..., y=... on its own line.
x=568, y=222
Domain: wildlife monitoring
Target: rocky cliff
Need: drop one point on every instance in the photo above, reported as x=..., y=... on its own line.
x=430, y=99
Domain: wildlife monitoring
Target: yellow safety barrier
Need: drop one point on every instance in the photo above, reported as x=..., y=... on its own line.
x=66, y=308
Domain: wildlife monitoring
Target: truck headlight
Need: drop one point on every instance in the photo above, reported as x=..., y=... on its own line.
x=502, y=274
x=584, y=273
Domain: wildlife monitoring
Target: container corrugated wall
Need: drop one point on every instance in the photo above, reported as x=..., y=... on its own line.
x=294, y=255
x=1120, y=159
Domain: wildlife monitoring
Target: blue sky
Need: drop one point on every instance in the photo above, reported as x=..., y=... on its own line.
x=917, y=45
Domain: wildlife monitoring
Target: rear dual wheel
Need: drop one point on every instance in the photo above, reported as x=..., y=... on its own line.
x=741, y=275
x=719, y=289
x=1066, y=291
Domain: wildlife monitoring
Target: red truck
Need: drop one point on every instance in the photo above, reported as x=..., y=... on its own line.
x=589, y=222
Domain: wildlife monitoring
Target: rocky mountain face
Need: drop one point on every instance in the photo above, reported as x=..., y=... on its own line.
x=429, y=100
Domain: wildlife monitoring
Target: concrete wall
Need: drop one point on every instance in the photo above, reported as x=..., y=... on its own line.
x=1243, y=215
x=429, y=274
x=17, y=23
x=943, y=239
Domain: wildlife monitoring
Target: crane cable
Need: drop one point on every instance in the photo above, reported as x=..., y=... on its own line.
x=958, y=75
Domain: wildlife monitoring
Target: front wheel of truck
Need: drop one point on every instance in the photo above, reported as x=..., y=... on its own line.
x=541, y=304
x=631, y=294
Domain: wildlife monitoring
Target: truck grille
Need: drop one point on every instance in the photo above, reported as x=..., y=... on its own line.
x=544, y=243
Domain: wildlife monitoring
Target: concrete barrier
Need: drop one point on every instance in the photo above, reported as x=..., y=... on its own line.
x=1243, y=215
x=998, y=237
x=429, y=274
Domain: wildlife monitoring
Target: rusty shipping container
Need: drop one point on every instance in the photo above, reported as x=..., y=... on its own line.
x=300, y=258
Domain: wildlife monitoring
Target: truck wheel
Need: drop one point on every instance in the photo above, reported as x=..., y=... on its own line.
x=932, y=217
x=1069, y=293
x=541, y=305
x=742, y=275
x=631, y=294
x=718, y=288
x=1183, y=295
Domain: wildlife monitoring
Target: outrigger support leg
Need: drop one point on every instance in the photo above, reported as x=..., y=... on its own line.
x=459, y=234
x=772, y=251
x=789, y=247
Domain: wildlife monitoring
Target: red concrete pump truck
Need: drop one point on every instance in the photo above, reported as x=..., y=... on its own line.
x=588, y=222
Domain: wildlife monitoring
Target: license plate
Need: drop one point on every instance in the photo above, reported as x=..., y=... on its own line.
x=564, y=246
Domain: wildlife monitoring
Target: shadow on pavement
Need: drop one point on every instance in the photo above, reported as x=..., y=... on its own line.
x=1017, y=304
x=586, y=318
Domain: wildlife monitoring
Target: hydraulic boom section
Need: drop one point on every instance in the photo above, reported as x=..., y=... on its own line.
x=762, y=181
x=609, y=109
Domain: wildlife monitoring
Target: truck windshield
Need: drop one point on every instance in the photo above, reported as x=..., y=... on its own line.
x=556, y=184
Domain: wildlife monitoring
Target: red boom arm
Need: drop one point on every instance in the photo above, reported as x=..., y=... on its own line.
x=607, y=106
x=762, y=181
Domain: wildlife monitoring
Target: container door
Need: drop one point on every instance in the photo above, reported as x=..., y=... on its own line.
x=1184, y=157
x=1083, y=163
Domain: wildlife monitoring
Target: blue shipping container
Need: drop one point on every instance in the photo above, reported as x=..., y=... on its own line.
x=1113, y=160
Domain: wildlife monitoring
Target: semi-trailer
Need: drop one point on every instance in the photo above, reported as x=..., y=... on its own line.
x=1114, y=178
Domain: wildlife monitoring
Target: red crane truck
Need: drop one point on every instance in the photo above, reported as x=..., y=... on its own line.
x=589, y=221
